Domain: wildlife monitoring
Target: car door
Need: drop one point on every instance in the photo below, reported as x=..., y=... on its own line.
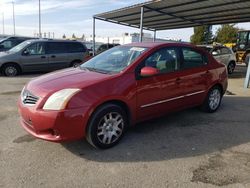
x=161, y=93
x=58, y=56
x=195, y=76
x=225, y=55
x=34, y=58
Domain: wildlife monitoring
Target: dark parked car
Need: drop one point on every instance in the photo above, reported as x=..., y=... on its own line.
x=42, y=55
x=104, y=47
x=118, y=88
x=9, y=42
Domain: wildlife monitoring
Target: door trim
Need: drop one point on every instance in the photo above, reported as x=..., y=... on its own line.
x=171, y=99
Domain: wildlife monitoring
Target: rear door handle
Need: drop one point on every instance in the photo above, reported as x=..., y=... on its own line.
x=43, y=57
x=178, y=80
x=53, y=56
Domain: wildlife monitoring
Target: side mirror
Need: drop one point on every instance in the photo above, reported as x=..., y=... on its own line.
x=26, y=53
x=215, y=53
x=148, y=71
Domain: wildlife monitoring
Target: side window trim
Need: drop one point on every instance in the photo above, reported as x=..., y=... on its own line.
x=36, y=43
x=205, y=59
x=177, y=49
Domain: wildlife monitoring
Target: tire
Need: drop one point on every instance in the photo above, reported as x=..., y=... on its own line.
x=106, y=126
x=213, y=100
x=230, y=67
x=75, y=63
x=10, y=70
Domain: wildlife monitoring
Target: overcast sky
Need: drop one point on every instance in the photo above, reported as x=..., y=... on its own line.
x=74, y=16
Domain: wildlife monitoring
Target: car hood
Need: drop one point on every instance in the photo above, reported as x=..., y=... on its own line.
x=67, y=78
x=3, y=54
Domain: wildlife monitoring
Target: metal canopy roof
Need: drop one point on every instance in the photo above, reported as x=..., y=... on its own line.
x=174, y=14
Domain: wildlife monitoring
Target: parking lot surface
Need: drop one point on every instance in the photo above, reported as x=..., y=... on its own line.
x=186, y=149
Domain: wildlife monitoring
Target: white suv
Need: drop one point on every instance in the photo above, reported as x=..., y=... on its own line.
x=222, y=54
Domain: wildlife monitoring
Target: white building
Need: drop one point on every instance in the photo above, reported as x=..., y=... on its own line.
x=125, y=38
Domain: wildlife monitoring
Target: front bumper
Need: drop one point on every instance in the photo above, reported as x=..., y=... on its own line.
x=55, y=126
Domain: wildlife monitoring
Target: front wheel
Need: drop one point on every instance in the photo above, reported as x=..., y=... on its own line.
x=107, y=126
x=213, y=100
x=10, y=70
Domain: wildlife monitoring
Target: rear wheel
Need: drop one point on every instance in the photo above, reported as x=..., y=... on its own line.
x=10, y=70
x=76, y=63
x=107, y=126
x=213, y=100
x=231, y=67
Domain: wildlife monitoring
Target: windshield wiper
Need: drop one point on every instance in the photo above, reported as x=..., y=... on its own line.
x=95, y=70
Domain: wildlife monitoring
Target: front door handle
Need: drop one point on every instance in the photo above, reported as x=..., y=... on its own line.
x=205, y=74
x=53, y=56
x=43, y=57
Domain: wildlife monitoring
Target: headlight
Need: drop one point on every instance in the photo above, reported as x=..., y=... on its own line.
x=59, y=99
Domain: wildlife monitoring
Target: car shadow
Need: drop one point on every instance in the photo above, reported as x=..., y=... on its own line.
x=184, y=134
x=239, y=72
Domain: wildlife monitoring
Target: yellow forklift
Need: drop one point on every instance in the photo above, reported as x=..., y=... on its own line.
x=243, y=46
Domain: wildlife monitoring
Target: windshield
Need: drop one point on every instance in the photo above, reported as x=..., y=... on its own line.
x=242, y=37
x=19, y=47
x=114, y=60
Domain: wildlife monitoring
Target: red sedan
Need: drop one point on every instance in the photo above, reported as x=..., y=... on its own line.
x=118, y=88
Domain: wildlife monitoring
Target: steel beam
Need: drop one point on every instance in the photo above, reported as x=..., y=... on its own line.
x=93, y=37
x=141, y=24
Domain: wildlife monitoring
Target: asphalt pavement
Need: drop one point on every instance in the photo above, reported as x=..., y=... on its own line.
x=186, y=149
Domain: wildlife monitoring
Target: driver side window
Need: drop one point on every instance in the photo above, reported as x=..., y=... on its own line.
x=165, y=60
x=36, y=49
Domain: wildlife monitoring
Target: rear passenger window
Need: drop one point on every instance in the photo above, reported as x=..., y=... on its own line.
x=192, y=59
x=57, y=48
x=76, y=47
x=165, y=60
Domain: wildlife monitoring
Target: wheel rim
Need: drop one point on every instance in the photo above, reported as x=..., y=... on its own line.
x=230, y=68
x=214, y=99
x=10, y=71
x=110, y=128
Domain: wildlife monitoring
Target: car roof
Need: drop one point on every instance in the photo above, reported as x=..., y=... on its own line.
x=53, y=40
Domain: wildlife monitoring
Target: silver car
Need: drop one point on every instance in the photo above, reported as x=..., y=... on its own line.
x=222, y=54
x=41, y=55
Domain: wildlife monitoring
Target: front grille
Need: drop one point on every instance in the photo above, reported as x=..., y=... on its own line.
x=28, y=98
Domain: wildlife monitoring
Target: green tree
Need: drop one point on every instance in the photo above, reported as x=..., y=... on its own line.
x=227, y=34
x=64, y=36
x=73, y=36
x=201, y=35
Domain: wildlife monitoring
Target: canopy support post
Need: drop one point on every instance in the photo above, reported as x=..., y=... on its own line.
x=154, y=36
x=247, y=79
x=93, y=50
x=141, y=24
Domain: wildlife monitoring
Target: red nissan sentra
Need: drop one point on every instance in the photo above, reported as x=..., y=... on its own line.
x=118, y=88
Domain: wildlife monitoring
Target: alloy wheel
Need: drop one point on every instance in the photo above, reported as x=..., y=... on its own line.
x=110, y=128
x=214, y=99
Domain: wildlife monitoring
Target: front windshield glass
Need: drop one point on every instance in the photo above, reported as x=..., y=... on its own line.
x=242, y=37
x=114, y=60
x=19, y=47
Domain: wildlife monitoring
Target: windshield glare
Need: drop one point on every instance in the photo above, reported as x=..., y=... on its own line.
x=114, y=60
x=19, y=47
